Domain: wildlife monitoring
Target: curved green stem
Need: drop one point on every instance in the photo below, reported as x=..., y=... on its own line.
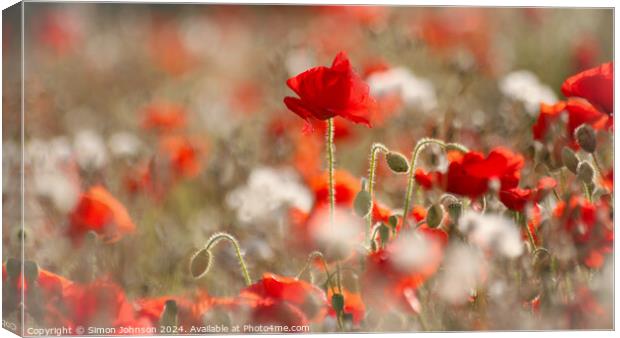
x=414, y=158
x=312, y=256
x=597, y=165
x=330, y=169
x=374, y=150
x=216, y=238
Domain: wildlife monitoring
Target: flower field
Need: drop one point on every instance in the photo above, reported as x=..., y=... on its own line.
x=195, y=169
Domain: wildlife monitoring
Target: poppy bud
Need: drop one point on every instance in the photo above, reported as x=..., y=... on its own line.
x=569, y=159
x=393, y=221
x=13, y=267
x=169, y=314
x=363, y=203
x=384, y=233
x=338, y=302
x=455, y=209
x=585, y=172
x=586, y=138
x=434, y=216
x=397, y=162
x=200, y=263
x=31, y=271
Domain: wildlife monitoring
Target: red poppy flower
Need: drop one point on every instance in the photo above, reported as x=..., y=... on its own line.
x=469, y=174
x=59, y=31
x=517, y=198
x=100, y=303
x=164, y=117
x=579, y=112
x=424, y=179
x=595, y=85
x=590, y=227
x=548, y=113
x=97, y=210
x=183, y=155
x=326, y=92
x=284, y=299
x=167, y=48
x=346, y=188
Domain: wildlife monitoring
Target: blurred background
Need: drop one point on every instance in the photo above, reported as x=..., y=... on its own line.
x=177, y=111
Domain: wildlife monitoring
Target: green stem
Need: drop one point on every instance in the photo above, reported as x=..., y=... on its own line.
x=597, y=164
x=313, y=255
x=523, y=222
x=330, y=169
x=216, y=238
x=375, y=149
x=414, y=158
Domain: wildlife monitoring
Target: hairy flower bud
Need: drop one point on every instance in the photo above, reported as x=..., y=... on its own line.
x=200, y=263
x=363, y=203
x=569, y=159
x=397, y=162
x=393, y=221
x=384, y=233
x=13, y=267
x=434, y=216
x=586, y=138
x=585, y=172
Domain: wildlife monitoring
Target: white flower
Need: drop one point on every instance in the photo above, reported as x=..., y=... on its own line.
x=492, y=232
x=524, y=86
x=90, y=150
x=413, y=90
x=124, y=144
x=266, y=191
x=461, y=274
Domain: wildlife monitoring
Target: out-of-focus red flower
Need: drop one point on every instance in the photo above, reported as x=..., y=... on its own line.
x=586, y=52
x=97, y=210
x=167, y=49
x=353, y=305
x=164, y=117
x=590, y=226
x=387, y=285
x=548, y=114
x=285, y=300
x=190, y=309
x=595, y=85
x=469, y=174
x=579, y=112
x=100, y=303
x=326, y=92
x=424, y=179
x=583, y=308
x=246, y=97
x=183, y=155
x=346, y=188
x=447, y=30
x=517, y=198
x=374, y=66
x=59, y=31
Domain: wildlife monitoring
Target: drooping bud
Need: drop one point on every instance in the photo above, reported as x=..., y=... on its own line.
x=397, y=162
x=434, y=216
x=569, y=159
x=384, y=233
x=170, y=314
x=585, y=172
x=586, y=138
x=338, y=302
x=200, y=263
x=363, y=203
x=393, y=221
